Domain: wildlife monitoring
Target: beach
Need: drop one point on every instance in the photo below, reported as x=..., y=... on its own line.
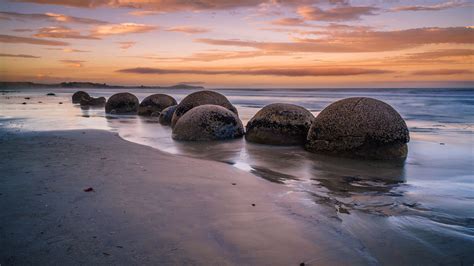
x=117, y=190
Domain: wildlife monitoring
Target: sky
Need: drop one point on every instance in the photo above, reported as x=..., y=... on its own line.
x=240, y=44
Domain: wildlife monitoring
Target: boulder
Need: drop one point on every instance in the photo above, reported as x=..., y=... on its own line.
x=79, y=95
x=200, y=98
x=155, y=103
x=208, y=122
x=359, y=127
x=279, y=124
x=91, y=101
x=122, y=103
x=166, y=115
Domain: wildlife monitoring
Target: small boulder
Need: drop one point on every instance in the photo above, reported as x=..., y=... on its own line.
x=79, y=95
x=166, y=115
x=200, y=98
x=208, y=122
x=359, y=127
x=155, y=103
x=50, y=94
x=279, y=124
x=91, y=101
x=122, y=103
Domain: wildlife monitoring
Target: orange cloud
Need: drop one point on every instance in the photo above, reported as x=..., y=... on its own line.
x=126, y=45
x=189, y=29
x=360, y=41
x=62, y=32
x=17, y=39
x=289, y=72
x=49, y=17
x=442, y=72
x=341, y=13
x=436, y=7
x=72, y=63
x=68, y=50
x=122, y=28
x=19, y=55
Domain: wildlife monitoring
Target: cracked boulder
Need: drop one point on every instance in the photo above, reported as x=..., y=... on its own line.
x=122, y=103
x=155, y=103
x=359, y=127
x=201, y=98
x=208, y=122
x=279, y=124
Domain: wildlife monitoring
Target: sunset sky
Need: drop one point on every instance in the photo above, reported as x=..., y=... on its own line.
x=247, y=43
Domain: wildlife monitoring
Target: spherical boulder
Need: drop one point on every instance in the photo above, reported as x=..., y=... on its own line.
x=79, y=95
x=208, y=122
x=166, y=115
x=200, y=98
x=155, y=103
x=279, y=124
x=359, y=127
x=122, y=103
x=91, y=101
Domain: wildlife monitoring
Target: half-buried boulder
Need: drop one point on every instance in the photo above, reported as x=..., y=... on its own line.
x=361, y=128
x=208, y=122
x=166, y=115
x=155, y=103
x=122, y=103
x=279, y=124
x=200, y=98
x=79, y=95
x=91, y=101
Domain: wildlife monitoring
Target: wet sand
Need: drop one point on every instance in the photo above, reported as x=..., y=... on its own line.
x=147, y=207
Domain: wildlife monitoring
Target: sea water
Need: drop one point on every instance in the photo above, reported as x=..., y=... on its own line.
x=418, y=211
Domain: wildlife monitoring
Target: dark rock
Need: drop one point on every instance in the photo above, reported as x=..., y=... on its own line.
x=89, y=189
x=166, y=115
x=208, y=122
x=122, y=103
x=79, y=95
x=200, y=98
x=279, y=124
x=91, y=101
x=23, y=103
x=155, y=103
x=60, y=102
x=50, y=94
x=27, y=98
x=361, y=128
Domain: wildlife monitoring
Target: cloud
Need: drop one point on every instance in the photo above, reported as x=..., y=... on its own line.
x=126, y=45
x=289, y=72
x=220, y=55
x=27, y=40
x=443, y=72
x=72, y=63
x=122, y=28
x=69, y=50
x=340, y=13
x=437, y=7
x=180, y=5
x=19, y=55
x=63, y=33
x=49, y=17
x=189, y=29
x=289, y=22
x=141, y=13
x=23, y=30
x=360, y=41
x=443, y=53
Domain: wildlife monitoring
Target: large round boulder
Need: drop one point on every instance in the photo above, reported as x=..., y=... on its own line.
x=208, y=122
x=166, y=115
x=279, y=124
x=155, y=103
x=122, y=103
x=91, y=101
x=79, y=95
x=359, y=127
x=200, y=98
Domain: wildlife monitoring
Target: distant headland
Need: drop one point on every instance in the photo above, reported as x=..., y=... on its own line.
x=23, y=85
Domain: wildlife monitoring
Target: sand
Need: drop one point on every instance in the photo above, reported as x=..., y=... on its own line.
x=147, y=207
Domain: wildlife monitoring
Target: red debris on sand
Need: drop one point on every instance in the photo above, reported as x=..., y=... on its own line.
x=89, y=189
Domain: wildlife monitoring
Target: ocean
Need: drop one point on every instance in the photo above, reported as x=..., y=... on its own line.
x=422, y=208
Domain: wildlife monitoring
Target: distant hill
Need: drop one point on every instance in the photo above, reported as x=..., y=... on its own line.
x=78, y=85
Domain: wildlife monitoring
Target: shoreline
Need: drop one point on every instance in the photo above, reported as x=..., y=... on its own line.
x=146, y=207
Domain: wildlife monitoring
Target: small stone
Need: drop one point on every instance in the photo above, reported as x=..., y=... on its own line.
x=89, y=189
